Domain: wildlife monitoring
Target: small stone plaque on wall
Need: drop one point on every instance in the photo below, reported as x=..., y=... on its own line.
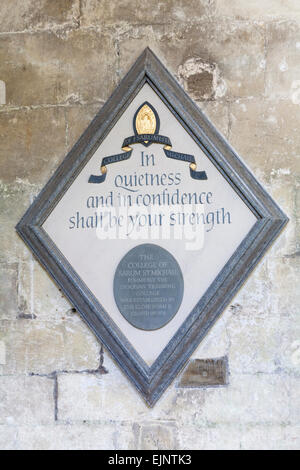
x=149, y=226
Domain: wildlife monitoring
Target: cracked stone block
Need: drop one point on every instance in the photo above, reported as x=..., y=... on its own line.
x=48, y=69
x=39, y=347
x=26, y=400
x=19, y=15
x=27, y=150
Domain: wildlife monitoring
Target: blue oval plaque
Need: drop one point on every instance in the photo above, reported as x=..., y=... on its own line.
x=148, y=286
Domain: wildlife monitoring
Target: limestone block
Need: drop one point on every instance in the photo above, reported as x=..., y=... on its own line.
x=39, y=347
x=14, y=200
x=8, y=437
x=78, y=118
x=248, y=399
x=204, y=56
x=143, y=12
x=266, y=437
x=39, y=295
x=257, y=10
x=266, y=136
x=20, y=15
x=158, y=436
x=77, y=437
x=80, y=397
x=283, y=55
x=284, y=275
x=32, y=144
x=48, y=68
x=26, y=400
x=289, y=345
x=255, y=294
x=8, y=290
x=217, y=113
x=217, y=437
x=254, y=343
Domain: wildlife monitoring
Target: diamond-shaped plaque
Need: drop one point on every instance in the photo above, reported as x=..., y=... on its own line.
x=150, y=225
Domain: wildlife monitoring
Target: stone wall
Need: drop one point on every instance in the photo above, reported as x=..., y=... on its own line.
x=59, y=61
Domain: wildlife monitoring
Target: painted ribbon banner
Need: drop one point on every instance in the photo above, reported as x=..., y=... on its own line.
x=151, y=138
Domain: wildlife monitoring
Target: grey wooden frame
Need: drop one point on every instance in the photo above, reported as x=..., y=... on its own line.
x=152, y=381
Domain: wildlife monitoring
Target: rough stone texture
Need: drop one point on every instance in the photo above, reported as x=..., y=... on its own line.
x=20, y=15
x=26, y=400
x=51, y=68
x=20, y=134
x=59, y=61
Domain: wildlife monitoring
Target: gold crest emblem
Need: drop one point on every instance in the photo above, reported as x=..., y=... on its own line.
x=145, y=121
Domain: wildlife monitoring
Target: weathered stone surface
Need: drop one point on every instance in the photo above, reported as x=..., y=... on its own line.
x=117, y=436
x=254, y=296
x=8, y=290
x=254, y=343
x=216, y=342
x=213, y=437
x=257, y=10
x=143, y=12
x=39, y=295
x=262, y=437
x=155, y=436
x=43, y=347
x=96, y=398
x=284, y=275
x=14, y=200
x=78, y=118
x=218, y=113
x=8, y=437
x=86, y=391
x=19, y=15
x=233, y=437
x=26, y=400
x=46, y=68
x=268, y=403
x=282, y=72
x=27, y=149
x=266, y=135
x=191, y=50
